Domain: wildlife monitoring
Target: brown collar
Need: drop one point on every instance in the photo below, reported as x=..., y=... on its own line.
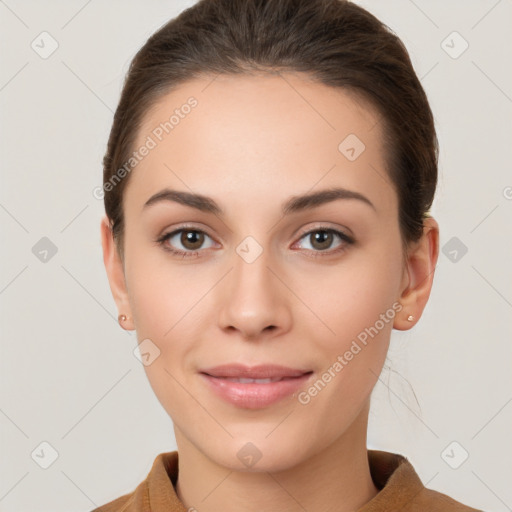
x=400, y=488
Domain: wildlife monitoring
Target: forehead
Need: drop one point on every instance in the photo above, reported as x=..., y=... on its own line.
x=260, y=134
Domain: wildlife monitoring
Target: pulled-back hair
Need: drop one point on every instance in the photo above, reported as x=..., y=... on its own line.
x=335, y=42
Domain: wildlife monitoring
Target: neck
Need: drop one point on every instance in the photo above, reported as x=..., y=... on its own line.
x=336, y=478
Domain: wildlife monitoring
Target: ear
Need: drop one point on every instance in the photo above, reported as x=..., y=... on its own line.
x=115, y=273
x=418, y=275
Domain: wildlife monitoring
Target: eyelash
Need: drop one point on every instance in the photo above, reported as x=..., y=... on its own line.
x=188, y=254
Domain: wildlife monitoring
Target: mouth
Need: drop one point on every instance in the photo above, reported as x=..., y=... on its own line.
x=254, y=387
x=262, y=372
x=243, y=380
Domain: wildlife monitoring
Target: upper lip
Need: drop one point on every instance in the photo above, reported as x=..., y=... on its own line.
x=263, y=371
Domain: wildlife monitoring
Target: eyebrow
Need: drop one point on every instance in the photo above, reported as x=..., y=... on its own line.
x=292, y=205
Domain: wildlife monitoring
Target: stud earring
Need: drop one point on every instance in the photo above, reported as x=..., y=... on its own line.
x=410, y=318
x=121, y=318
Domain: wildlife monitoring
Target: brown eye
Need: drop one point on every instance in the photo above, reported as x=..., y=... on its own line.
x=192, y=239
x=321, y=239
x=185, y=242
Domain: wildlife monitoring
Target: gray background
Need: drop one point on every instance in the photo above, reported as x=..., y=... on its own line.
x=68, y=374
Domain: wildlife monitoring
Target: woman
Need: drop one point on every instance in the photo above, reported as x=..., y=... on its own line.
x=267, y=183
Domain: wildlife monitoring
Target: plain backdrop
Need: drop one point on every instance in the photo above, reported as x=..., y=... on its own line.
x=73, y=396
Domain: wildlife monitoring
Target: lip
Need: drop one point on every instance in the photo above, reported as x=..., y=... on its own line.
x=262, y=371
x=254, y=395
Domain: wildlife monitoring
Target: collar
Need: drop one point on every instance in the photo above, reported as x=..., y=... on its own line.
x=393, y=475
x=400, y=488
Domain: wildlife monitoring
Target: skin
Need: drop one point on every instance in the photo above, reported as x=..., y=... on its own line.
x=251, y=144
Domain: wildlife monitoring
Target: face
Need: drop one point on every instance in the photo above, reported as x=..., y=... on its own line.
x=313, y=287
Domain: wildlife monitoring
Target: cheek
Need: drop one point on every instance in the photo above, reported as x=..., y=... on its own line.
x=352, y=358
x=358, y=304
x=165, y=303
x=162, y=294
x=351, y=297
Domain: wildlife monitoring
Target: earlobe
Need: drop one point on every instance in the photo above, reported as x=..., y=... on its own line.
x=115, y=273
x=418, y=276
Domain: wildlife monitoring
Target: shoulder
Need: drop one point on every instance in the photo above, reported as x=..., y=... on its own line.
x=434, y=501
x=118, y=505
x=125, y=503
x=402, y=489
x=154, y=493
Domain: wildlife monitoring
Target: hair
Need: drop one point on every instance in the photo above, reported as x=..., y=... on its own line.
x=334, y=42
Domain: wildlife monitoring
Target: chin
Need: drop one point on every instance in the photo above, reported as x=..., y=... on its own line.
x=257, y=454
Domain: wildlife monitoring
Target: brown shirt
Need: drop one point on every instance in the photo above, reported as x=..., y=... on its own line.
x=400, y=489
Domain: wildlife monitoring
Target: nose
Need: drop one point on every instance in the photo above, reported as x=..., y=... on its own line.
x=253, y=300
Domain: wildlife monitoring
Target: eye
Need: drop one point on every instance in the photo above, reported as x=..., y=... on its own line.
x=190, y=239
x=322, y=239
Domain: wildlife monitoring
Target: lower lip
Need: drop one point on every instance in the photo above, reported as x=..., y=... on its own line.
x=254, y=395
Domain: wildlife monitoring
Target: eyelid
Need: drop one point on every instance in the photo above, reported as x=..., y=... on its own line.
x=185, y=227
x=324, y=226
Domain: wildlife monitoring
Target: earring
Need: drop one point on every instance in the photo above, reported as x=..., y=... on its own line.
x=410, y=318
x=121, y=318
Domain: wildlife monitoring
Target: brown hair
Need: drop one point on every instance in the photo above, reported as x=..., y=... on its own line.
x=335, y=42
